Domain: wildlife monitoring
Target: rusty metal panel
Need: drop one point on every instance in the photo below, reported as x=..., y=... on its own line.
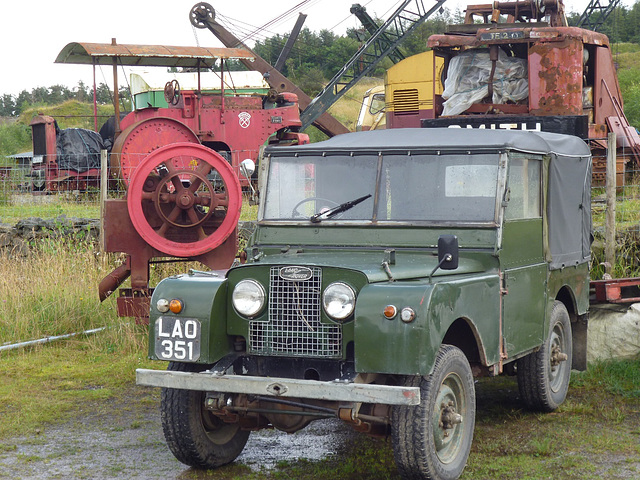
x=131, y=305
x=606, y=89
x=617, y=290
x=555, y=78
x=147, y=55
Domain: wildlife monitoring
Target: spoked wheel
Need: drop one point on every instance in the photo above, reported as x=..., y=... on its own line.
x=184, y=199
x=543, y=376
x=194, y=435
x=201, y=15
x=433, y=439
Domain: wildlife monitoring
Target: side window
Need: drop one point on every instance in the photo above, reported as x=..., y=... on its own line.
x=377, y=104
x=525, y=187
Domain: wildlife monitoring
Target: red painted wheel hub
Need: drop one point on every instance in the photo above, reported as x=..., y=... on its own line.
x=184, y=199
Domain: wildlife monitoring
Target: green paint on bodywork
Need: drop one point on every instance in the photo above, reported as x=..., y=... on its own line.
x=372, y=235
x=205, y=299
x=392, y=346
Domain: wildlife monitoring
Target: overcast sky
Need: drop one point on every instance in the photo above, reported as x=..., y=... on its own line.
x=33, y=33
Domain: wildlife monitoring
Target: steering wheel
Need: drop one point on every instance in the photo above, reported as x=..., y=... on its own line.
x=296, y=214
x=172, y=92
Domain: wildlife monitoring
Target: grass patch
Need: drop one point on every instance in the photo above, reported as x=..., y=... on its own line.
x=19, y=207
x=621, y=378
x=50, y=383
x=51, y=207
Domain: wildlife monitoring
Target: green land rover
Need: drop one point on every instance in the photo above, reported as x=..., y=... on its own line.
x=387, y=270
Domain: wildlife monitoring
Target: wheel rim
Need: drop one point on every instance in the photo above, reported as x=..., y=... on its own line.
x=447, y=423
x=216, y=430
x=557, y=358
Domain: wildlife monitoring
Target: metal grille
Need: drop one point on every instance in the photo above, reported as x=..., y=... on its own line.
x=294, y=327
x=405, y=102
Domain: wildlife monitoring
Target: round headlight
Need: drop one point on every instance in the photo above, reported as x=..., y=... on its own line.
x=339, y=300
x=248, y=298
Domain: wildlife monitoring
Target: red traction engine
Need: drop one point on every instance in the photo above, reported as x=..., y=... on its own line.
x=180, y=166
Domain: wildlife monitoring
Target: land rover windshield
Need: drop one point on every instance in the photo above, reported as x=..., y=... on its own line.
x=378, y=187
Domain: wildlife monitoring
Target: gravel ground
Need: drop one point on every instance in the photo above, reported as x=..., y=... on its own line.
x=127, y=442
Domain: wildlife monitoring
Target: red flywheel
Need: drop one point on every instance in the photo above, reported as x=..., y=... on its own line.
x=184, y=199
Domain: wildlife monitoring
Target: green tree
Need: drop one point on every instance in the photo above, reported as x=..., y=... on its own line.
x=7, y=105
x=83, y=93
x=58, y=94
x=14, y=138
x=103, y=94
x=23, y=101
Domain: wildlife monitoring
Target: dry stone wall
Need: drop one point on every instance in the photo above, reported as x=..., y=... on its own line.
x=19, y=238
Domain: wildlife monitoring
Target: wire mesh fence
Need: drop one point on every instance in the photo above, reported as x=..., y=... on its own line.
x=35, y=186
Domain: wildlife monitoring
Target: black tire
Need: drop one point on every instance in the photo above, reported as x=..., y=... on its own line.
x=194, y=435
x=543, y=376
x=428, y=441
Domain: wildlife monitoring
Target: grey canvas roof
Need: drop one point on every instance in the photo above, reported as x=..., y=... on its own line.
x=446, y=139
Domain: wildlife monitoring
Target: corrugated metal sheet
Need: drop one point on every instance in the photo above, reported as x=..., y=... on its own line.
x=147, y=55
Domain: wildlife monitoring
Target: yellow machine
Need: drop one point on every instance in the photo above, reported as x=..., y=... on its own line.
x=409, y=90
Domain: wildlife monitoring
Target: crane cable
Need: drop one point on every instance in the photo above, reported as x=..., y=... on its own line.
x=277, y=20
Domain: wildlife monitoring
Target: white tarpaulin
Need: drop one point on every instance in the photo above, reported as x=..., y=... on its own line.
x=614, y=332
x=468, y=80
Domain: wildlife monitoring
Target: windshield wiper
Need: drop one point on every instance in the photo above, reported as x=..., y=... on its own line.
x=343, y=207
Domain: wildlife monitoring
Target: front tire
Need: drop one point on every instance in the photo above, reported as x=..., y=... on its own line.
x=194, y=435
x=432, y=440
x=543, y=376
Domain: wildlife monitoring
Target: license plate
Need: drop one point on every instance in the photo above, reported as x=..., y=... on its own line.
x=177, y=339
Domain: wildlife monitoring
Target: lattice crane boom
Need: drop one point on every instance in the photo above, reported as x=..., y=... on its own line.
x=383, y=42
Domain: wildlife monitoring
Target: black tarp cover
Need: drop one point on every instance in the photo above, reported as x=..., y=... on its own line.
x=78, y=149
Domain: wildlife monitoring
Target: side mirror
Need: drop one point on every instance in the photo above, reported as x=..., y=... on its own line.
x=247, y=167
x=448, y=252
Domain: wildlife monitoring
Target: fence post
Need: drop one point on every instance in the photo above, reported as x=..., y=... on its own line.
x=610, y=217
x=104, y=191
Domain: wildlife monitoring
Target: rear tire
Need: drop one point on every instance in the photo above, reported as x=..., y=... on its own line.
x=543, y=376
x=194, y=435
x=432, y=440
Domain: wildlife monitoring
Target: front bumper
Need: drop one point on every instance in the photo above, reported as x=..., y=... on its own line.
x=338, y=391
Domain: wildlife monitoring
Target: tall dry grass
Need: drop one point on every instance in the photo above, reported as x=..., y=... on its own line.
x=53, y=290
